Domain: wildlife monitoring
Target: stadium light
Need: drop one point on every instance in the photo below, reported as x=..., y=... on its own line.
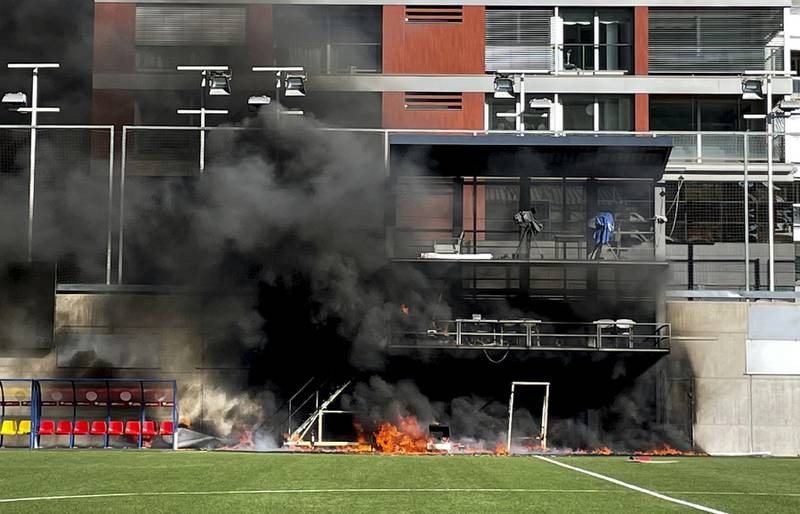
x=21, y=100
x=503, y=86
x=292, y=79
x=256, y=102
x=295, y=85
x=752, y=89
x=216, y=81
x=15, y=99
x=219, y=84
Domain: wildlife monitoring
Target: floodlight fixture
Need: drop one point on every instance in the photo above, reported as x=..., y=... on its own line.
x=258, y=100
x=295, y=85
x=503, y=86
x=755, y=116
x=540, y=103
x=789, y=106
x=15, y=99
x=752, y=89
x=219, y=83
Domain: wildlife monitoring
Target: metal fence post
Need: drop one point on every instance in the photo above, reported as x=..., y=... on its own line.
x=121, y=243
x=746, y=216
x=110, y=203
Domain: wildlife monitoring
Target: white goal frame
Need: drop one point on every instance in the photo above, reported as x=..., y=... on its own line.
x=543, y=430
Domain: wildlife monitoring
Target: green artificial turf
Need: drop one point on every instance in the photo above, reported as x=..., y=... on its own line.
x=540, y=486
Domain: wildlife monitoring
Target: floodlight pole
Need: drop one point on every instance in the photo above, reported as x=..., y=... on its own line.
x=202, y=111
x=34, y=110
x=746, y=214
x=519, y=112
x=771, y=194
x=280, y=76
x=767, y=77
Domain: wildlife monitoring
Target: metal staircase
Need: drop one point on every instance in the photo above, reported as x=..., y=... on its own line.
x=297, y=436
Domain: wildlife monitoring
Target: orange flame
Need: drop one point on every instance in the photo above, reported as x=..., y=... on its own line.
x=665, y=450
x=404, y=437
x=603, y=450
x=500, y=449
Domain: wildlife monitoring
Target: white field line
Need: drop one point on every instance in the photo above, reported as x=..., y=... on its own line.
x=305, y=491
x=632, y=487
x=369, y=490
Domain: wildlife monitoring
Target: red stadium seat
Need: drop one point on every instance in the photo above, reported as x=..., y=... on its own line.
x=115, y=428
x=98, y=428
x=149, y=428
x=64, y=427
x=81, y=427
x=132, y=428
x=47, y=427
x=166, y=428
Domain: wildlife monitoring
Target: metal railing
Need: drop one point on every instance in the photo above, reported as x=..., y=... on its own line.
x=330, y=58
x=689, y=147
x=166, y=151
x=532, y=334
x=632, y=242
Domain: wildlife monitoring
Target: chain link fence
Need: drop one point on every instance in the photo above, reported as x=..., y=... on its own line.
x=706, y=235
x=161, y=169
x=705, y=228
x=71, y=199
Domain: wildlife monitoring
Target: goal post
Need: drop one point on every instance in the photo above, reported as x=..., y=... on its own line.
x=543, y=430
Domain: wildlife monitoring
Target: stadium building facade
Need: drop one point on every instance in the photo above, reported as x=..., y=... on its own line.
x=562, y=109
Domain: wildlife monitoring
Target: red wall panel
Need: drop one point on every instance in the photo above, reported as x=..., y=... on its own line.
x=436, y=48
x=396, y=116
x=112, y=107
x=641, y=40
x=641, y=112
x=259, y=35
x=114, y=38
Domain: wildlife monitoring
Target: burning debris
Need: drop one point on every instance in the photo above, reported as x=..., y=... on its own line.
x=404, y=437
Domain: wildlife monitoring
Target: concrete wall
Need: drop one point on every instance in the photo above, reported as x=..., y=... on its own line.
x=138, y=336
x=729, y=410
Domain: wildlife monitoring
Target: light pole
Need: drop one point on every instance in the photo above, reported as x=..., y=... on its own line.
x=34, y=110
x=215, y=82
x=504, y=88
x=291, y=79
x=751, y=89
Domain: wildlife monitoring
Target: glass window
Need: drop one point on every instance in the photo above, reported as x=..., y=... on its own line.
x=616, y=39
x=614, y=42
x=560, y=205
x=578, y=112
x=502, y=201
x=615, y=113
x=329, y=39
x=718, y=114
x=534, y=118
x=578, y=39
x=671, y=113
x=501, y=105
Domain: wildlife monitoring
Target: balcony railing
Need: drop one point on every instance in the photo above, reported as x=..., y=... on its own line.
x=707, y=147
x=531, y=334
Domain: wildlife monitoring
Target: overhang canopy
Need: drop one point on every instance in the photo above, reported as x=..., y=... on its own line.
x=512, y=155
